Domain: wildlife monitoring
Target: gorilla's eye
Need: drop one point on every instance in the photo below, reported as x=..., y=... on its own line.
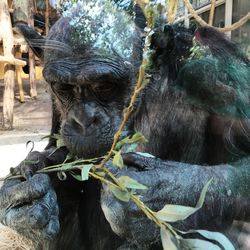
x=64, y=87
x=103, y=91
x=64, y=92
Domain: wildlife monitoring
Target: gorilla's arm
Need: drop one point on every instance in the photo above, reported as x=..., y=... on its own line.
x=31, y=206
x=168, y=182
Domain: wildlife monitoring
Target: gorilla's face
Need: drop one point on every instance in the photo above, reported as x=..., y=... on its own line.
x=91, y=71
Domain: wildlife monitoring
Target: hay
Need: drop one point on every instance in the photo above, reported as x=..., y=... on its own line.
x=11, y=240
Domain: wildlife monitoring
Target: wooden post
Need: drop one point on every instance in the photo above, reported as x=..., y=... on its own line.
x=9, y=70
x=47, y=18
x=32, y=72
x=19, y=77
x=228, y=15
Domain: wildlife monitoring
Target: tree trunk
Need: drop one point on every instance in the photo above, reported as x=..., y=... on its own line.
x=9, y=70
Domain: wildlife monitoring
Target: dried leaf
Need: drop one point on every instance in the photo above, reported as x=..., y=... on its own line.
x=119, y=194
x=85, y=171
x=117, y=160
x=167, y=240
x=130, y=183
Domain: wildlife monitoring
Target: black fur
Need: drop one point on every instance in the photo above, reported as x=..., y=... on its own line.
x=193, y=111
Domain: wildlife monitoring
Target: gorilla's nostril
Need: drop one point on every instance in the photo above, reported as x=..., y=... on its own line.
x=77, y=125
x=82, y=126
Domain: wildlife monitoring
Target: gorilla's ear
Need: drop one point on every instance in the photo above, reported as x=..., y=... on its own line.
x=34, y=39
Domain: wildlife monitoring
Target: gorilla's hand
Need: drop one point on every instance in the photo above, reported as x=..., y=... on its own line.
x=176, y=183
x=30, y=207
x=37, y=160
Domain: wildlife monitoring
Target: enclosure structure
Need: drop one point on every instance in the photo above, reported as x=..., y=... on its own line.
x=14, y=51
x=226, y=13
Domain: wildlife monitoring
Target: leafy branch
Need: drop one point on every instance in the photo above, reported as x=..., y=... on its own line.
x=120, y=187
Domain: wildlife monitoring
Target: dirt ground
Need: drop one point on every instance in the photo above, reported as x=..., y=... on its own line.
x=32, y=121
x=32, y=117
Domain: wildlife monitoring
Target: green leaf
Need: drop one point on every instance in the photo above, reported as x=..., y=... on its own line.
x=130, y=183
x=200, y=244
x=173, y=213
x=215, y=236
x=85, y=171
x=117, y=160
x=119, y=194
x=76, y=176
x=136, y=138
x=131, y=148
x=167, y=240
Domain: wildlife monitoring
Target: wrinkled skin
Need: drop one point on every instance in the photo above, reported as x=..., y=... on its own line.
x=33, y=205
x=185, y=131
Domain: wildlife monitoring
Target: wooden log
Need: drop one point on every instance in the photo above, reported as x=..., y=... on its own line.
x=19, y=78
x=9, y=70
x=32, y=72
x=12, y=60
x=47, y=17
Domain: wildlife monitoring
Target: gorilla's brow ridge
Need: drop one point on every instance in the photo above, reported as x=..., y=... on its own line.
x=84, y=71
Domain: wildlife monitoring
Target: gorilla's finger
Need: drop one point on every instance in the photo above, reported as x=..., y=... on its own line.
x=10, y=182
x=15, y=171
x=25, y=191
x=52, y=229
x=138, y=161
x=34, y=215
x=41, y=212
x=34, y=161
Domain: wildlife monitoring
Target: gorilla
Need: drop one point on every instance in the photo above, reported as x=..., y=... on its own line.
x=194, y=113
